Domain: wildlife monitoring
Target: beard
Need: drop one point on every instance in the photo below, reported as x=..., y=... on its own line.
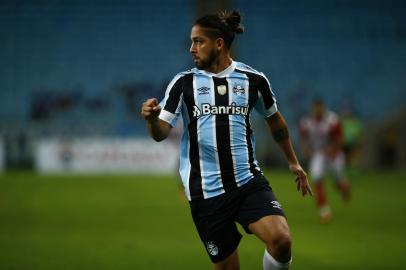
x=211, y=59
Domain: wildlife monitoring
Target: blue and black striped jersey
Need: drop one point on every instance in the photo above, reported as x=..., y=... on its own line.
x=218, y=146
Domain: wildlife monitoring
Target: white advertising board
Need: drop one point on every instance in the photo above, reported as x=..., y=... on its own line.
x=95, y=155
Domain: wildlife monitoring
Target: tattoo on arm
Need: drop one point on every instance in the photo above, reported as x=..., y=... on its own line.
x=280, y=134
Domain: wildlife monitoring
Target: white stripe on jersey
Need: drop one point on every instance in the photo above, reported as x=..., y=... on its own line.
x=230, y=121
x=187, y=177
x=185, y=172
x=246, y=86
x=198, y=131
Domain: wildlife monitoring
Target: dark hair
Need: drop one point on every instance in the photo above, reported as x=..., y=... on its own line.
x=222, y=25
x=318, y=101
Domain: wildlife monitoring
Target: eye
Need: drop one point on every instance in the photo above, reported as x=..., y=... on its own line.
x=198, y=41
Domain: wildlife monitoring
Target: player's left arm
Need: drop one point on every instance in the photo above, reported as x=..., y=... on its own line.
x=280, y=133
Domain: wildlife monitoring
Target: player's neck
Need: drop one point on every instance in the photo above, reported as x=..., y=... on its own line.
x=223, y=62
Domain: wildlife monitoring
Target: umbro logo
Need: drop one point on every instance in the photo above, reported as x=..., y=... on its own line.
x=203, y=90
x=276, y=204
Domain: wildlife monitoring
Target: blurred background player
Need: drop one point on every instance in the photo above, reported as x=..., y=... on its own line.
x=352, y=138
x=321, y=139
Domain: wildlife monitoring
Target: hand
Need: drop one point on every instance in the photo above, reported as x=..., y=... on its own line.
x=301, y=179
x=150, y=109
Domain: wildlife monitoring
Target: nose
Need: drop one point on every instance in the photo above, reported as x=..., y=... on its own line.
x=192, y=49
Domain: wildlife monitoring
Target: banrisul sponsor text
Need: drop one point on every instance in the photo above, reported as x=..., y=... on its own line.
x=208, y=109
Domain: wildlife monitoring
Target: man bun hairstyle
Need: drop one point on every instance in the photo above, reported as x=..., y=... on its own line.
x=233, y=19
x=222, y=25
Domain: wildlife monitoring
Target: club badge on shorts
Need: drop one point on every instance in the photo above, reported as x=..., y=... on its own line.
x=222, y=89
x=212, y=248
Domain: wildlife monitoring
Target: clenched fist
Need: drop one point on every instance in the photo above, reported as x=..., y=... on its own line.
x=150, y=109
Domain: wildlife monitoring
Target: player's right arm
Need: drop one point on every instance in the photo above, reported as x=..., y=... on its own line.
x=266, y=106
x=158, y=129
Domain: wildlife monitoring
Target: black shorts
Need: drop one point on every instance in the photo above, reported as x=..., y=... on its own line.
x=215, y=218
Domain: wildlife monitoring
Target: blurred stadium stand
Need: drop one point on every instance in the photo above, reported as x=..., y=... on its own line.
x=82, y=68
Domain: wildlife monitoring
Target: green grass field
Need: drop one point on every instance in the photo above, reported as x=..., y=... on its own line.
x=141, y=222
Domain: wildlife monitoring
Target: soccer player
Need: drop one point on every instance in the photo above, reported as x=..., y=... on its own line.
x=220, y=173
x=322, y=142
x=352, y=137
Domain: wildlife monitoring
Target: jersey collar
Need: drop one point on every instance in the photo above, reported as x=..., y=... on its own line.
x=223, y=73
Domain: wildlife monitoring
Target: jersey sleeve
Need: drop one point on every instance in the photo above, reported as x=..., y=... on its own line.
x=266, y=103
x=172, y=102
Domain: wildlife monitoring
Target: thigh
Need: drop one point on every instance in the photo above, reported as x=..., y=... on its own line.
x=270, y=228
x=337, y=167
x=231, y=262
x=317, y=167
x=258, y=201
x=215, y=222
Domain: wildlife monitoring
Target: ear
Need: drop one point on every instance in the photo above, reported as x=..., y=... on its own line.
x=220, y=44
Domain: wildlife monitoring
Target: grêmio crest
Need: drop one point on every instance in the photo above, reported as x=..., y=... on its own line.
x=238, y=89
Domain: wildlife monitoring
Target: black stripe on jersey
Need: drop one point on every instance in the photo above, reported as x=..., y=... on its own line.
x=195, y=177
x=248, y=134
x=174, y=96
x=252, y=99
x=188, y=95
x=223, y=137
x=266, y=93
